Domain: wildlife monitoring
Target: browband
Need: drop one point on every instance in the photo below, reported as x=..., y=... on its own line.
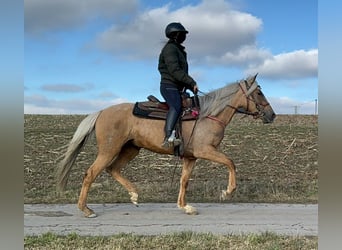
x=252, y=88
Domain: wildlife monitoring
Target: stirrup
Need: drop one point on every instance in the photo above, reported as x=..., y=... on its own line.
x=165, y=144
x=171, y=142
x=176, y=142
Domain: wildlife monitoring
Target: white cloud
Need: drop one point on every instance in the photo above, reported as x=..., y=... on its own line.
x=214, y=28
x=37, y=104
x=33, y=109
x=246, y=55
x=286, y=105
x=66, y=87
x=44, y=16
x=218, y=34
x=296, y=64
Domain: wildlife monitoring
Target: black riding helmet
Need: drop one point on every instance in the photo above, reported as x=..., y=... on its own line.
x=172, y=28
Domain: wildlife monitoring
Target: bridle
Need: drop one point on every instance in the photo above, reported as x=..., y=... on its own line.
x=247, y=93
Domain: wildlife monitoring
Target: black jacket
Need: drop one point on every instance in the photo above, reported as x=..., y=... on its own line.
x=173, y=66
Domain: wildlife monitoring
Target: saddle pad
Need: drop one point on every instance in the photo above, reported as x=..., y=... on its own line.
x=153, y=110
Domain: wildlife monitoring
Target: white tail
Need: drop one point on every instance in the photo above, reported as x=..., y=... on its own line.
x=80, y=138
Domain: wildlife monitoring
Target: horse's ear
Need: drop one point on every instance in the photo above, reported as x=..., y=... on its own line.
x=254, y=78
x=251, y=79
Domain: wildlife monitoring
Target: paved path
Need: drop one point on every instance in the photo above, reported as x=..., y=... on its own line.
x=163, y=218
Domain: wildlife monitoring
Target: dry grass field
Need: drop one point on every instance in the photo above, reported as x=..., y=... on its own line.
x=275, y=163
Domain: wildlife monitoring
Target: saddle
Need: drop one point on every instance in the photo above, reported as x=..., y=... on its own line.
x=155, y=109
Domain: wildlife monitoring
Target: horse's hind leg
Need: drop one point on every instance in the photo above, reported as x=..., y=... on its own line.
x=127, y=153
x=101, y=162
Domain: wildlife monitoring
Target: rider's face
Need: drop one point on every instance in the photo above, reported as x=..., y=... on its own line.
x=180, y=38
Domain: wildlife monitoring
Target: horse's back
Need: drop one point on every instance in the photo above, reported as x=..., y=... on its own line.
x=114, y=120
x=119, y=124
x=116, y=111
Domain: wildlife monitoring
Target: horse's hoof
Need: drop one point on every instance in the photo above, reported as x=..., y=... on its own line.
x=88, y=213
x=190, y=210
x=225, y=195
x=93, y=215
x=134, y=198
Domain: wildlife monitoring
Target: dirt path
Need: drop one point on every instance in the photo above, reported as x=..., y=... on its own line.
x=163, y=218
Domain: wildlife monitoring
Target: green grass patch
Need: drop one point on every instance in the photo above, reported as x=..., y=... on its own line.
x=184, y=240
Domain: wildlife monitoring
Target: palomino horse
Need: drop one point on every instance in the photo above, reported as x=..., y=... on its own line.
x=120, y=135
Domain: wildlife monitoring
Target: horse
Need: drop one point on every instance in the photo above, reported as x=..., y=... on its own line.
x=120, y=135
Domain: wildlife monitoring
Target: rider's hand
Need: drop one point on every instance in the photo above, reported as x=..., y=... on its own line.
x=195, y=89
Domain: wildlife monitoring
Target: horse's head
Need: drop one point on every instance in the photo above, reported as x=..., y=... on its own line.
x=257, y=104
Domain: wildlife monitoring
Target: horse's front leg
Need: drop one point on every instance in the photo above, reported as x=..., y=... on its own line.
x=210, y=153
x=188, y=165
x=231, y=187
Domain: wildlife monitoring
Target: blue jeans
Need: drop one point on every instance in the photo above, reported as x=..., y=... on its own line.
x=173, y=98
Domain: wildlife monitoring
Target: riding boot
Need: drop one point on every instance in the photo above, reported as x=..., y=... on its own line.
x=170, y=140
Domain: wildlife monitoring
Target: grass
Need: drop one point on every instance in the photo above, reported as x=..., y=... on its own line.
x=183, y=240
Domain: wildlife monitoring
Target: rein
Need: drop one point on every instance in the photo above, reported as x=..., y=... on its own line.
x=246, y=112
x=217, y=120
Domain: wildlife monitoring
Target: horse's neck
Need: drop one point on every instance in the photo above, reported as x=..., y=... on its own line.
x=228, y=112
x=226, y=115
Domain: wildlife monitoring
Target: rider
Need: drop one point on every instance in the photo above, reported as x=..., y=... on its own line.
x=173, y=68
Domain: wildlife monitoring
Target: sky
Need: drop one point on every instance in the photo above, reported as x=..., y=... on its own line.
x=83, y=56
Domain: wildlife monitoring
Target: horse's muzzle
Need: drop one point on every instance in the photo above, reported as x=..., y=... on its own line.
x=268, y=117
